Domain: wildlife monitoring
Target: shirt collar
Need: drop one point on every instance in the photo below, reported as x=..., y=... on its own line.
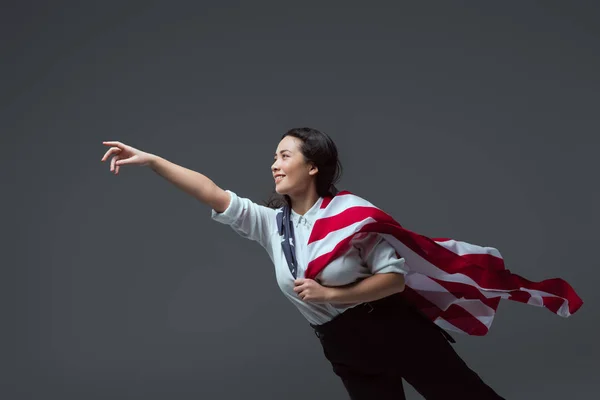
x=311, y=213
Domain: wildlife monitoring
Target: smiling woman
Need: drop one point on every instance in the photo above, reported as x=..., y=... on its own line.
x=308, y=160
x=379, y=297
x=291, y=165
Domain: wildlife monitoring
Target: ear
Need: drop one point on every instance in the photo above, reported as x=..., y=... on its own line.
x=313, y=170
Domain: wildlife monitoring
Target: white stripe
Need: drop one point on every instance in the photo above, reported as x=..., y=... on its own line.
x=438, y=295
x=479, y=310
x=536, y=300
x=418, y=264
x=462, y=248
x=430, y=290
x=327, y=244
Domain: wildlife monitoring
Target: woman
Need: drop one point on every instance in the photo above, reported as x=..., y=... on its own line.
x=372, y=336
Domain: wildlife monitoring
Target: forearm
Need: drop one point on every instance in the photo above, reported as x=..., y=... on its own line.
x=373, y=288
x=191, y=182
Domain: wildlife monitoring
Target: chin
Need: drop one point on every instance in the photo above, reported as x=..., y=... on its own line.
x=282, y=190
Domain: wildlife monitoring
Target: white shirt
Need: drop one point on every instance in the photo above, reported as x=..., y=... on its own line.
x=370, y=253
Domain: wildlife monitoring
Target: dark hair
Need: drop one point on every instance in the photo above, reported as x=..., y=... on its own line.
x=317, y=148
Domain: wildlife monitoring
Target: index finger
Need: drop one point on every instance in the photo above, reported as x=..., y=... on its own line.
x=110, y=151
x=113, y=143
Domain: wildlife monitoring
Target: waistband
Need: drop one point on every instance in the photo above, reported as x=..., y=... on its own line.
x=395, y=303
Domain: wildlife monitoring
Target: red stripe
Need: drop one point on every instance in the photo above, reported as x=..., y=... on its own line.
x=520, y=296
x=324, y=226
x=318, y=264
x=428, y=308
x=327, y=200
x=454, y=315
x=552, y=303
x=464, y=290
x=490, y=261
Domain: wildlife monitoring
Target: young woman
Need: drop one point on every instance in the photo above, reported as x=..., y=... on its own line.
x=372, y=336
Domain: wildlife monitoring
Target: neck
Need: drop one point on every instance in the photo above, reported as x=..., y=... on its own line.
x=301, y=204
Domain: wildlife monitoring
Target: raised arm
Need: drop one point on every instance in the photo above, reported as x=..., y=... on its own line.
x=191, y=182
x=250, y=220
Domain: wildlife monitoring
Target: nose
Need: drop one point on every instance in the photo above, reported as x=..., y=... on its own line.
x=274, y=166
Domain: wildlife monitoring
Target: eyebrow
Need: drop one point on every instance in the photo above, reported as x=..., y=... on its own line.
x=281, y=151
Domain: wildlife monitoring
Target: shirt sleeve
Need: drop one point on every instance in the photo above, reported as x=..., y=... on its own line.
x=379, y=255
x=250, y=220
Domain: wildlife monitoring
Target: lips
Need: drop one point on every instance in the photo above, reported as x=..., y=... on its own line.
x=278, y=178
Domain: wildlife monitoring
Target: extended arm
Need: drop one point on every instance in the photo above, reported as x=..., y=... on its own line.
x=247, y=218
x=191, y=182
x=250, y=220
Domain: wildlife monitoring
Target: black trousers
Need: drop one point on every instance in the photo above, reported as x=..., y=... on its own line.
x=373, y=346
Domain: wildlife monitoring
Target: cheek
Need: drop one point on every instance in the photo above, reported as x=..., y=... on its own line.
x=289, y=171
x=290, y=179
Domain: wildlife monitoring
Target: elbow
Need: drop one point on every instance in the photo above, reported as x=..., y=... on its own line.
x=399, y=283
x=401, y=286
x=219, y=200
x=394, y=282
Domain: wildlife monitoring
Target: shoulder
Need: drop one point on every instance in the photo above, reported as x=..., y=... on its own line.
x=240, y=206
x=344, y=200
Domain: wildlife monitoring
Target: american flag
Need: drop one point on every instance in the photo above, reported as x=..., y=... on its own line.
x=457, y=285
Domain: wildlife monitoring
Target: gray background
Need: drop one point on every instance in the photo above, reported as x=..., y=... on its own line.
x=470, y=120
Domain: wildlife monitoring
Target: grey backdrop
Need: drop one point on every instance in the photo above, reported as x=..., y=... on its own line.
x=461, y=119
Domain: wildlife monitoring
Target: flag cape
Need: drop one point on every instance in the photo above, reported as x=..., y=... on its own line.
x=457, y=285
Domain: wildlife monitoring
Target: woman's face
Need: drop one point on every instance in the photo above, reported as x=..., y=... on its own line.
x=292, y=174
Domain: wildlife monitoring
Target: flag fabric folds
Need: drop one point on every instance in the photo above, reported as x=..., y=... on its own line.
x=457, y=285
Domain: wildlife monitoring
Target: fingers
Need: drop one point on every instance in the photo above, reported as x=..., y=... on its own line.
x=113, y=164
x=300, y=287
x=111, y=151
x=117, y=148
x=305, y=293
x=308, y=290
x=302, y=293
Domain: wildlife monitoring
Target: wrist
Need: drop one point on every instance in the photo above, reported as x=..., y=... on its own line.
x=152, y=160
x=332, y=294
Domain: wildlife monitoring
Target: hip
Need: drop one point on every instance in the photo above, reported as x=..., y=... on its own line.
x=376, y=335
